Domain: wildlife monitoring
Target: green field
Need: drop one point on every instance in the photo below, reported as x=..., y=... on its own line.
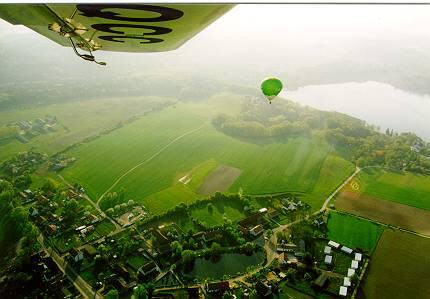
x=299, y=164
x=77, y=121
x=353, y=232
x=400, y=267
x=232, y=210
x=406, y=188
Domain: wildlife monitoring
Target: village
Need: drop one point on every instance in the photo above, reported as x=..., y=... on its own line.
x=131, y=247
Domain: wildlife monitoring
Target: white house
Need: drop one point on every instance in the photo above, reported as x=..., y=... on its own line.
x=333, y=244
x=346, y=249
x=354, y=265
x=343, y=291
x=358, y=257
x=328, y=259
x=346, y=282
x=351, y=272
x=327, y=250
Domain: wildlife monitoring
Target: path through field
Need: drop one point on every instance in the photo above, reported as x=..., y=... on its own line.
x=147, y=160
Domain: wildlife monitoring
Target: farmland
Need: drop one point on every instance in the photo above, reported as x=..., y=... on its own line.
x=77, y=121
x=301, y=164
x=402, y=187
x=353, y=232
x=384, y=211
x=400, y=267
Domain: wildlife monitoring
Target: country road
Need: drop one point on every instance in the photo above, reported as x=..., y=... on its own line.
x=81, y=285
x=147, y=160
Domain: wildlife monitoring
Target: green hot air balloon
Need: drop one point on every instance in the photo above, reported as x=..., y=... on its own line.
x=271, y=87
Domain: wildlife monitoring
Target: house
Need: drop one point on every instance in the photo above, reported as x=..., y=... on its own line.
x=76, y=255
x=333, y=244
x=34, y=212
x=122, y=271
x=346, y=249
x=262, y=210
x=346, y=282
x=263, y=289
x=147, y=269
x=318, y=222
x=92, y=218
x=328, y=259
x=218, y=288
x=351, y=272
x=327, y=250
x=52, y=229
x=256, y=230
x=358, y=257
x=251, y=221
x=321, y=282
x=354, y=264
x=343, y=291
x=287, y=259
x=290, y=247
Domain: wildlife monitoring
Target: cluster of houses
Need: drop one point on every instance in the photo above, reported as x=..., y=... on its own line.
x=30, y=129
x=60, y=162
x=253, y=225
x=47, y=281
x=23, y=162
x=356, y=261
x=44, y=213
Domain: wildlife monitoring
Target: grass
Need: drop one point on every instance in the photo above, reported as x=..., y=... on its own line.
x=136, y=261
x=78, y=120
x=400, y=267
x=405, y=188
x=105, y=227
x=353, y=232
x=295, y=164
x=232, y=210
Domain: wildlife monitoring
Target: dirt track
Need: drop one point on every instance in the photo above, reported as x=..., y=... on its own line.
x=396, y=214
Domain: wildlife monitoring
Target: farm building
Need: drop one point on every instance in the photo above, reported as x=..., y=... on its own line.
x=256, y=230
x=327, y=250
x=354, y=264
x=333, y=244
x=290, y=247
x=351, y=272
x=346, y=282
x=343, y=291
x=358, y=257
x=321, y=281
x=262, y=210
x=328, y=259
x=346, y=249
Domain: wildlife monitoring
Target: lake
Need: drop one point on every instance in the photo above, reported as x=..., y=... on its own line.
x=227, y=264
x=377, y=103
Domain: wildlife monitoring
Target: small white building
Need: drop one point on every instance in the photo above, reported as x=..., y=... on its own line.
x=354, y=265
x=358, y=257
x=328, y=259
x=327, y=250
x=333, y=244
x=263, y=210
x=346, y=249
x=346, y=282
x=343, y=291
x=351, y=272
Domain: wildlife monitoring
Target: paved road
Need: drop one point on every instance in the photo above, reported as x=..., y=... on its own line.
x=147, y=160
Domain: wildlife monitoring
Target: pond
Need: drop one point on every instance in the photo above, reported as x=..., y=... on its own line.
x=377, y=103
x=226, y=264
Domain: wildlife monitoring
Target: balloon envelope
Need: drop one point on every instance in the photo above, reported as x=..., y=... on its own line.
x=271, y=87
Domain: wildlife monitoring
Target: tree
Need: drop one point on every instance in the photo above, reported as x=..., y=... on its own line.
x=176, y=247
x=112, y=294
x=210, y=207
x=140, y=292
x=215, y=248
x=187, y=256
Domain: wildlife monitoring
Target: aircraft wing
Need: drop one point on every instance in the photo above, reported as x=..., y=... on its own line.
x=115, y=26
